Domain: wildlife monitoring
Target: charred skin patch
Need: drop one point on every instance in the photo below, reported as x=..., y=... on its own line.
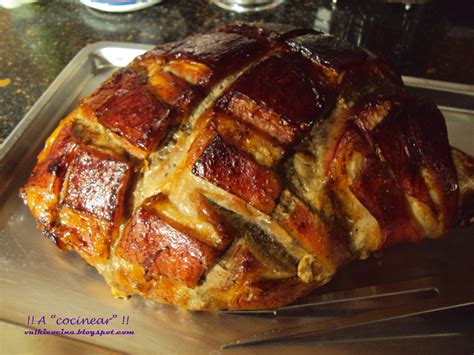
x=97, y=184
x=278, y=97
x=263, y=244
x=224, y=165
x=332, y=56
x=205, y=59
x=125, y=106
x=163, y=249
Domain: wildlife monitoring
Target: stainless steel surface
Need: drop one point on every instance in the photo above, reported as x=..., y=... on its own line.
x=445, y=86
x=37, y=279
x=450, y=292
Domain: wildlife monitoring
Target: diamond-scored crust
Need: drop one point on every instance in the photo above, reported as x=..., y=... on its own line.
x=263, y=97
x=124, y=106
x=96, y=185
x=225, y=166
x=44, y=185
x=241, y=168
x=164, y=248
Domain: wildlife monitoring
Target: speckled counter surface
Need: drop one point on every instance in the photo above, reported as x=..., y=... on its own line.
x=38, y=40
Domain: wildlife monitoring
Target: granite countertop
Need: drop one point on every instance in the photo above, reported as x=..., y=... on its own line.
x=38, y=40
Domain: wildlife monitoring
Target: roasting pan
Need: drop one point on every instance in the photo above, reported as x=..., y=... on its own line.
x=37, y=280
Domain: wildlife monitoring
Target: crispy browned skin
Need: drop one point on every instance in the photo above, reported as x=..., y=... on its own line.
x=44, y=185
x=164, y=248
x=261, y=98
x=125, y=106
x=313, y=233
x=96, y=185
x=377, y=190
x=78, y=193
x=233, y=171
x=243, y=167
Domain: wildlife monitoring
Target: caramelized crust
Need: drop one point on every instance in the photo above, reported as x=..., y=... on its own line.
x=398, y=150
x=225, y=231
x=264, y=97
x=205, y=59
x=376, y=189
x=312, y=232
x=264, y=149
x=429, y=133
x=43, y=188
x=331, y=56
x=247, y=290
x=356, y=168
x=230, y=169
x=172, y=90
x=243, y=167
x=163, y=249
x=89, y=236
x=412, y=139
x=123, y=105
x=96, y=185
x=194, y=73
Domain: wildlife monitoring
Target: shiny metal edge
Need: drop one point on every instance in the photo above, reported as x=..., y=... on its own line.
x=437, y=85
x=457, y=110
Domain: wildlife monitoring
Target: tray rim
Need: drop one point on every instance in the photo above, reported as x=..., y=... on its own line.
x=82, y=56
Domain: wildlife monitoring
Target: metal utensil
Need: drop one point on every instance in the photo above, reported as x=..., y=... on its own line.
x=440, y=293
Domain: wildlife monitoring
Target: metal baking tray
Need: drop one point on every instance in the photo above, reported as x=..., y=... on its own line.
x=38, y=280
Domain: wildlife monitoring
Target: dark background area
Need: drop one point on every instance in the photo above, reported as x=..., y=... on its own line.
x=37, y=40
